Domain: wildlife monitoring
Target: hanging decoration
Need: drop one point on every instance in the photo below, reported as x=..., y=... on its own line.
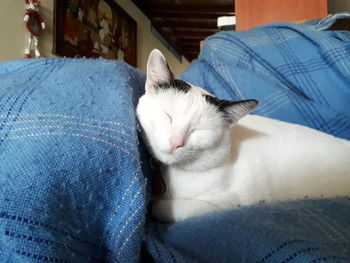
x=35, y=25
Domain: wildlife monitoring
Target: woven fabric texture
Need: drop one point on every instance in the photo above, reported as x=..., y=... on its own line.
x=71, y=185
x=298, y=72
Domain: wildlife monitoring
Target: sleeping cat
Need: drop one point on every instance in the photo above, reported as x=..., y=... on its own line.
x=217, y=156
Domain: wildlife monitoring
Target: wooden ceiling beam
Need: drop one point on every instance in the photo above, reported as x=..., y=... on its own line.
x=191, y=50
x=194, y=44
x=197, y=23
x=184, y=25
x=189, y=37
x=193, y=47
x=183, y=39
x=191, y=29
x=188, y=51
x=192, y=54
x=185, y=34
x=189, y=58
x=189, y=14
x=184, y=11
x=198, y=8
x=174, y=20
x=189, y=42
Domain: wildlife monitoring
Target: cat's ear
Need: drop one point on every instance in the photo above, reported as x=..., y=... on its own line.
x=232, y=110
x=158, y=71
x=235, y=110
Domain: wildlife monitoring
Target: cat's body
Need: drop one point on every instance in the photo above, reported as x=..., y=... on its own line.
x=215, y=163
x=269, y=161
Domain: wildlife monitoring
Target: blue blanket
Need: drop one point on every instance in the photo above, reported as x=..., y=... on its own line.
x=298, y=73
x=298, y=232
x=71, y=185
x=73, y=175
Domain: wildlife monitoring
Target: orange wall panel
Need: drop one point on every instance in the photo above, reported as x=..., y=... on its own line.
x=252, y=13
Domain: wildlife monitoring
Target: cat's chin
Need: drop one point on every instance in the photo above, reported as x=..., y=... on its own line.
x=171, y=159
x=168, y=160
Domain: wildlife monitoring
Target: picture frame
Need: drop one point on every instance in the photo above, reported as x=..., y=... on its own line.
x=93, y=29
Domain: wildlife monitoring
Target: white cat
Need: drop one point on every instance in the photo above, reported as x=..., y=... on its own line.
x=214, y=163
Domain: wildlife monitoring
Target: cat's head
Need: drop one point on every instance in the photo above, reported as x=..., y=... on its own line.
x=180, y=120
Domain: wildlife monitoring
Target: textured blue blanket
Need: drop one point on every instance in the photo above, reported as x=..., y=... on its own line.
x=71, y=185
x=299, y=73
x=72, y=179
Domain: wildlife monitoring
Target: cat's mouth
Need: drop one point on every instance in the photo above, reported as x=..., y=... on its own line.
x=169, y=158
x=180, y=155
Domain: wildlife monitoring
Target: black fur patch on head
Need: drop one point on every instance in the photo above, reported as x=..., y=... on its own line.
x=222, y=104
x=176, y=84
x=219, y=103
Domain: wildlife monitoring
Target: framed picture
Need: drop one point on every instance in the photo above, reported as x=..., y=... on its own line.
x=92, y=29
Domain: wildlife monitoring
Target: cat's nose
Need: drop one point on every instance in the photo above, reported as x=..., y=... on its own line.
x=176, y=142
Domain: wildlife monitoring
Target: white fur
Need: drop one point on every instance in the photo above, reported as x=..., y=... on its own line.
x=220, y=166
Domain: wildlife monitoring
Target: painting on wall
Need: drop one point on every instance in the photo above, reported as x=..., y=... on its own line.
x=92, y=29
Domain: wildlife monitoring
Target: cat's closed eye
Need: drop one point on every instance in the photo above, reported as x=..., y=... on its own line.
x=196, y=131
x=169, y=117
x=199, y=129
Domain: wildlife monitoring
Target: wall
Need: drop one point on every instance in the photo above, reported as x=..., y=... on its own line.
x=147, y=42
x=335, y=6
x=14, y=37
x=254, y=13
